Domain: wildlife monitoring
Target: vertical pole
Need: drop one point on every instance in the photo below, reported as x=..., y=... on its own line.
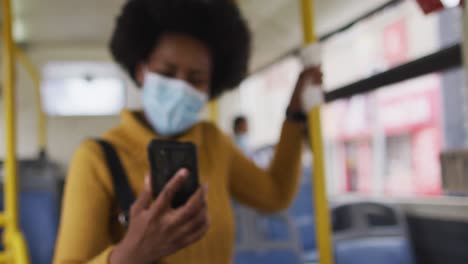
x=36, y=80
x=9, y=101
x=322, y=213
x=213, y=105
x=15, y=247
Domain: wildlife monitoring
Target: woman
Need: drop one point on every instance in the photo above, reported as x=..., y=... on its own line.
x=180, y=53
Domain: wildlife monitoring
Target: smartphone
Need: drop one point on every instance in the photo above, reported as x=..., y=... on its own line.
x=166, y=158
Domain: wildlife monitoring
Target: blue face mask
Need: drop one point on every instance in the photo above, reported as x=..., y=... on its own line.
x=242, y=141
x=171, y=106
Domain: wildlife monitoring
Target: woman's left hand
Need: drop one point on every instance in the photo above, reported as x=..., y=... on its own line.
x=311, y=75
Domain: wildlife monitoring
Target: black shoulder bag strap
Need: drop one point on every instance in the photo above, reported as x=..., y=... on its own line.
x=122, y=189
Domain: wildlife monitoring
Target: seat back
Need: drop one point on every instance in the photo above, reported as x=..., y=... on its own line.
x=266, y=238
x=370, y=232
x=39, y=206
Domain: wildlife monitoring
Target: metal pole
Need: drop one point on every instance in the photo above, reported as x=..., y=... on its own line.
x=9, y=101
x=14, y=242
x=322, y=213
x=36, y=79
x=213, y=106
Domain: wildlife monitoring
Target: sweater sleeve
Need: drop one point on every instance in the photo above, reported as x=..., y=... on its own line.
x=272, y=189
x=84, y=233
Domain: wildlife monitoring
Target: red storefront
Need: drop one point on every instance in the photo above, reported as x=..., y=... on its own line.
x=389, y=142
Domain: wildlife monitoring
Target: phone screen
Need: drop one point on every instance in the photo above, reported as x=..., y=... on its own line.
x=166, y=159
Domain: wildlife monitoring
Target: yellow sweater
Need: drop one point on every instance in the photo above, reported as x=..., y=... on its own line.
x=89, y=226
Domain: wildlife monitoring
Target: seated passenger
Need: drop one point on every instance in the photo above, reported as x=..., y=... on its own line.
x=180, y=53
x=240, y=129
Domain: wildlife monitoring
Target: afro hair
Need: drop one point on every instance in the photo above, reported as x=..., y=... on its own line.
x=217, y=23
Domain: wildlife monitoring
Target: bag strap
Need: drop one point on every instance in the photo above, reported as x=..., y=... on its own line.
x=123, y=192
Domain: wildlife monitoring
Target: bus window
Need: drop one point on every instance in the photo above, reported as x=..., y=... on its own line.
x=407, y=125
x=376, y=143
x=82, y=89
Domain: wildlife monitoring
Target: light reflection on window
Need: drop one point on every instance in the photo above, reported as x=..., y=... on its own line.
x=80, y=92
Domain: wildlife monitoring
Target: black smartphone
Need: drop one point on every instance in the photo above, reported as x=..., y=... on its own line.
x=166, y=158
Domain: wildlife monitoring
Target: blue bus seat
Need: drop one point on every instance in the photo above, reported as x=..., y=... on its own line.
x=302, y=213
x=40, y=187
x=272, y=228
x=268, y=257
x=374, y=250
x=245, y=257
x=370, y=232
x=39, y=216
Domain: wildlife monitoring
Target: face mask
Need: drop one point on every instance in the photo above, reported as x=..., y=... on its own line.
x=242, y=141
x=171, y=106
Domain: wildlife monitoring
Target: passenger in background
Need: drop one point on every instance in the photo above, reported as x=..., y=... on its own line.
x=180, y=53
x=240, y=129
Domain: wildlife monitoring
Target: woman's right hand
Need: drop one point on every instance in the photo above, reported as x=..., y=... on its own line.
x=157, y=230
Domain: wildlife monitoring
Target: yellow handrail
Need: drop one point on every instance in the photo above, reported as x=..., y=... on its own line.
x=15, y=246
x=213, y=107
x=10, y=118
x=33, y=73
x=322, y=213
